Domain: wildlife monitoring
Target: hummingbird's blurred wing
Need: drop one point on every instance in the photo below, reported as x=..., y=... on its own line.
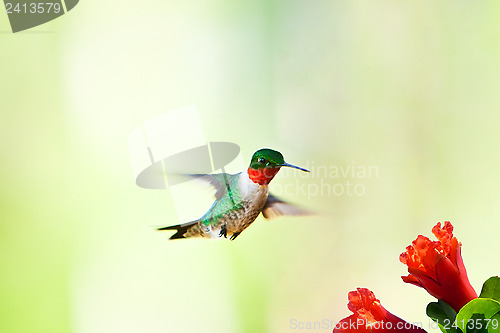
x=275, y=207
x=220, y=181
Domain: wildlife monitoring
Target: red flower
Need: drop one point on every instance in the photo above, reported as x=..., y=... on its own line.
x=438, y=267
x=370, y=316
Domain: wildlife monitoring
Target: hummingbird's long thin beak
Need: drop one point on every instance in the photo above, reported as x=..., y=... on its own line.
x=294, y=166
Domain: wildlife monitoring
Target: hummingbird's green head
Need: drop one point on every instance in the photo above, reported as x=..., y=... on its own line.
x=266, y=158
x=265, y=164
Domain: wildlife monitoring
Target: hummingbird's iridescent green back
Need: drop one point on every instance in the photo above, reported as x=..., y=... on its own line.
x=229, y=201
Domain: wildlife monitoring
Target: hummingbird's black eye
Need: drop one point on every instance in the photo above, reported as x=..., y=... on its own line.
x=262, y=160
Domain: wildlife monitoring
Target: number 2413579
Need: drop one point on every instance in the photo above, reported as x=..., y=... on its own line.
x=33, y=8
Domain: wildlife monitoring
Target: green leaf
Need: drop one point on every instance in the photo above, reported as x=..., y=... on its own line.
x=494, y=324
x=443, y=315
x=477, y=324
x=475, y=312
x=491, y=288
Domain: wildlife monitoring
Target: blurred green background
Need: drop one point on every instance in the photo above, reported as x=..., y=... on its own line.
x=410, y=87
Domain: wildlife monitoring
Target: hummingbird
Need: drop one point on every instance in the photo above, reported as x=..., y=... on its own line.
x=239, y=199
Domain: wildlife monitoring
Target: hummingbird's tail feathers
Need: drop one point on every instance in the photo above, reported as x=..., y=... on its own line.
x=180, y=228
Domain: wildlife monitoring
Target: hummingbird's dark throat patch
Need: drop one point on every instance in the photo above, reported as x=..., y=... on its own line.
x=262, y=176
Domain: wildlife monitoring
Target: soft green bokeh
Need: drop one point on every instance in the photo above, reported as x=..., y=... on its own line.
x=409, y=87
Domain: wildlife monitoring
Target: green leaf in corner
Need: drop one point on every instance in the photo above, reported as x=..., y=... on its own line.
x=473, y=316
x=477, y=324
x=494, y=324
x=491, y=288
x=443, y=315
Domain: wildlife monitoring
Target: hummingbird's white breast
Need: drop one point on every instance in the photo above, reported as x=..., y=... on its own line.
x=251, y=191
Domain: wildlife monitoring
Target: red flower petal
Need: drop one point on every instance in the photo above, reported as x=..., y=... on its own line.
x=438, y=267
x=370, y=316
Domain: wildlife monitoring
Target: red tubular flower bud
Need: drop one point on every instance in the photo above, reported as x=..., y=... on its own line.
x=370, y=316
x=437, y=266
